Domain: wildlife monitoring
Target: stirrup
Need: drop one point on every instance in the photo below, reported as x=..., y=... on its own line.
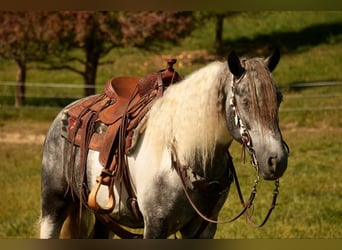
x=92, y=203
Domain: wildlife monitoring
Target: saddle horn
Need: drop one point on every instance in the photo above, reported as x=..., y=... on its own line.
x=234, y=64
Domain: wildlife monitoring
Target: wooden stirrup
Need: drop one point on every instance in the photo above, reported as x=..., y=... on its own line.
x=92, y=202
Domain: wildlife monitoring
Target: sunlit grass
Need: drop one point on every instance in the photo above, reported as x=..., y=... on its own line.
x=20, y=188
x=309, y=203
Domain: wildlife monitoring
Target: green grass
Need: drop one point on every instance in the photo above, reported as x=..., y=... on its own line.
x=20, y=188
x=309, y=203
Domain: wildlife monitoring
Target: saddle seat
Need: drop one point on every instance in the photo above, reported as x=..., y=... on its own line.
x=122, y=86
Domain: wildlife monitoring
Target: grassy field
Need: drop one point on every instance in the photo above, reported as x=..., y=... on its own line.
x=309, y=203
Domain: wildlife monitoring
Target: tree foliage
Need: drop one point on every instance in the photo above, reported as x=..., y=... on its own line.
x=26, y=37
x=219, y=17
x=96, y=33
x=142, y=29
x=53, y=36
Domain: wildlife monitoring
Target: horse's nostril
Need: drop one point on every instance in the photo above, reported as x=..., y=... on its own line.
x=272, y=161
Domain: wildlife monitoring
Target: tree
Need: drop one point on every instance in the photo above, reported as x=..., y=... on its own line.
x=96, y=33
x=219, y=32
x=219, y=18
x=30, y=36
x=25, y=37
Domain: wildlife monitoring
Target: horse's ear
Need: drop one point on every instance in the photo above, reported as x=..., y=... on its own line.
x=234, y=65
x=273, y=59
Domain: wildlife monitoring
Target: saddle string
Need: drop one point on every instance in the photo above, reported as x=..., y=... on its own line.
x=118, y=168
x=75, y=127
x=135, y=111
x=83, y=153
x=86, y=120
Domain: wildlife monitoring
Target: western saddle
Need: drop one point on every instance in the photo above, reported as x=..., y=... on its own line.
x=106, y=123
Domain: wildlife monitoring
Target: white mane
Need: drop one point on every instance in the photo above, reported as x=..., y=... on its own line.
x=192, y=113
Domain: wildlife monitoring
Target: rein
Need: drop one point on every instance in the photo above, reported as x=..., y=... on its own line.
x=245, y=205
x=246, y=143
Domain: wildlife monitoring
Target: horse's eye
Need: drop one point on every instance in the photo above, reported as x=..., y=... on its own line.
x=245, y=104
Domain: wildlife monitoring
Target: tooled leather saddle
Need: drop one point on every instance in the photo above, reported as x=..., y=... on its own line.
x=106, y=123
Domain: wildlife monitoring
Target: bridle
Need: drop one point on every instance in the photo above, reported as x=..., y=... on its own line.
x=247, y=144
x=247, y=207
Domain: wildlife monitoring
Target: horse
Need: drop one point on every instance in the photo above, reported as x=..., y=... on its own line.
x=193, y=124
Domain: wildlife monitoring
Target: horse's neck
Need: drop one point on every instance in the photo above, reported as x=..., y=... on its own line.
x=191, y=115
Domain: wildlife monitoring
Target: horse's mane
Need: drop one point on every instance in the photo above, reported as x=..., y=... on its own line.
x=191, y=115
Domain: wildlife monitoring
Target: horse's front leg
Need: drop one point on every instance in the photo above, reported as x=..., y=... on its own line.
x=155, y=228
x=154, y=210
x=157, y=205
x=198, y=229
x=166, y=212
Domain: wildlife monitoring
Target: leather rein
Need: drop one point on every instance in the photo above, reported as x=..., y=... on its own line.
x=245, y=205
x=246, y=144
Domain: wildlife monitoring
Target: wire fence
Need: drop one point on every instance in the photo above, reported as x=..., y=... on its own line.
x=60, y=94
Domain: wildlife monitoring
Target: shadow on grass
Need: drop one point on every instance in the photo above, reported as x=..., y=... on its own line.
x=40, y=101
x=288, y=42
x=48, y=101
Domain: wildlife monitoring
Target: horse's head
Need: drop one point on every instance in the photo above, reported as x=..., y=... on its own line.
x=253, y=113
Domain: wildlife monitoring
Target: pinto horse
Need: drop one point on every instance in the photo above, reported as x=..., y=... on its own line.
x=192, y=124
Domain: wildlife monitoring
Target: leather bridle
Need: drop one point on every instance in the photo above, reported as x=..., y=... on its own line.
x=245, y=205
x=246, y=144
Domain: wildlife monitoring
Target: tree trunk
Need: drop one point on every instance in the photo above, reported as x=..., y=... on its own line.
x=218, y=34
x=21, y=79
x=90, y=76
x=92, y=61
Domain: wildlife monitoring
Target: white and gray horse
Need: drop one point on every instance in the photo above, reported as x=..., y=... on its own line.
x=197, y=118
